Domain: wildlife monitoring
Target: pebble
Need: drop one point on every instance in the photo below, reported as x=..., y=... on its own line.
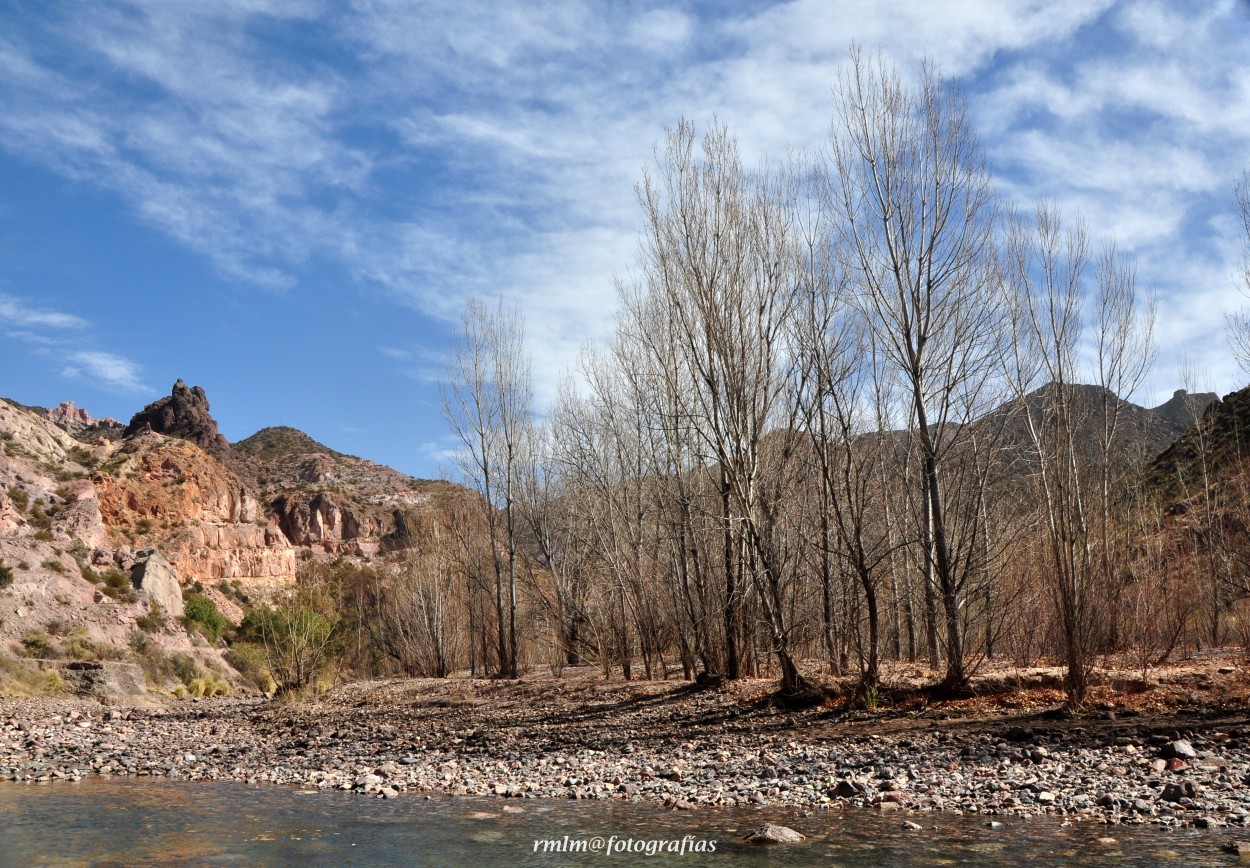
x=389, y=751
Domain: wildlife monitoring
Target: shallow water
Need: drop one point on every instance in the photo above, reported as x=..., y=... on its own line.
x=144, y=822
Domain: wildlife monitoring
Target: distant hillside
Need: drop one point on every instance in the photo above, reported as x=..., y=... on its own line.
x=1142, y=432
x=271, y=444
x=1224, y=434
x=1184, y=409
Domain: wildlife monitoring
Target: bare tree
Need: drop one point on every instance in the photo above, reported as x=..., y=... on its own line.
x=719, y=264
x=917, y=210
x=551, y=505
x=1239, y=321
x=1076, y=432
x=488, y=402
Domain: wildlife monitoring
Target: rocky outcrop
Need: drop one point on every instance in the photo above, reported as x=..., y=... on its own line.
x=260, y=558
x=65, y=415
x=206, y=521
x=40, y=477
x=1216, y=446
x=108, y=683
x=76, y=420
x=29, y=435
x=80, y=519
x=1185, y=409
x=184, y=414
x=331, y=524
x=154, y=575
x=333, y=503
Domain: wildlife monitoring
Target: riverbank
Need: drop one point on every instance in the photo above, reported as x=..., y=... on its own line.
x=1004, y=753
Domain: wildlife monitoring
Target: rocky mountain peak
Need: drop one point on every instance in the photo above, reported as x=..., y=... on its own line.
x=77, y=421
x=1185, y=409
x=184, y=414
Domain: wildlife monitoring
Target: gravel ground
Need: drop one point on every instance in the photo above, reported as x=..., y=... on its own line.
x=656, y=742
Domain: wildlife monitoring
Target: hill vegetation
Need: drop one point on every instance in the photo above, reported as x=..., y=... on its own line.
x=272, y=444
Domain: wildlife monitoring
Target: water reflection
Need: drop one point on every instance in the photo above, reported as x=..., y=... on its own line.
x=130, y=822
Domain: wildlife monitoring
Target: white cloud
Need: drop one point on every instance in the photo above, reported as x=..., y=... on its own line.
x=517, y=131
x=61, y=335
x=15, y=313
x=417, y=362
x=112, y=370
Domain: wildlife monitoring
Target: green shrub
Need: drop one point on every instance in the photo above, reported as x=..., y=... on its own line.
x=19, y=497
x=57, y=627
x=115, y=579
x=252, y=662
x=158, y=667
x=117, y=584
x=20, y=677
x=79, y=646
x=233, y=591
x=38, y=644
x=185, y=668
x=201, y=613
x=55, y=566
x=39, y=518
x=83, y=456
x=208, y=687
x=6, y=576
x=144, y=525
x=153, y=621
x=298, y=641
x=43, y=535
x=79, y=551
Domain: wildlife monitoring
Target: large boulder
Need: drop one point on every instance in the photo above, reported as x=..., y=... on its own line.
x=771, y=833
x=154, y=575
x=108, y=683
x=80, y=517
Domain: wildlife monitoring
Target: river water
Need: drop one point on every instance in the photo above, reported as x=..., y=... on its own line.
x=144, y=822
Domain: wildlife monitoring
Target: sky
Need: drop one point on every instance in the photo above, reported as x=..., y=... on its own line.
x=287, y=202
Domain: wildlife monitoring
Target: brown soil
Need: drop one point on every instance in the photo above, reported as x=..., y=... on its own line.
x=581, y=708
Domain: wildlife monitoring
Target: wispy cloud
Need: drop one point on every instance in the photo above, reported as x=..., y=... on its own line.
x=61, y=335
x=417, y=362
x=461, y=148
x=112, y=370
x=15, y=314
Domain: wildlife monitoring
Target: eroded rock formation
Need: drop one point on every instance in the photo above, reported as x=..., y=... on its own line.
x=76, y=420
x=206, y=520
x=332, y=525
x=184, y=414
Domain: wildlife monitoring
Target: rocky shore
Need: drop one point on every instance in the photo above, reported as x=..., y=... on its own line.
x=656, y=742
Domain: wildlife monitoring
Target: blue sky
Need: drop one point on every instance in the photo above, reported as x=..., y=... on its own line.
x=287, y=201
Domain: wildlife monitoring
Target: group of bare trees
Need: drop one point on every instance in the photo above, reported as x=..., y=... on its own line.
x=854, y=406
